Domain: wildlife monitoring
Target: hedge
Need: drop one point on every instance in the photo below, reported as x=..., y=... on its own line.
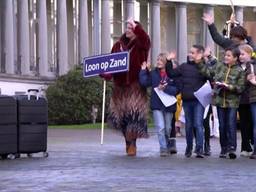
x=71, y=97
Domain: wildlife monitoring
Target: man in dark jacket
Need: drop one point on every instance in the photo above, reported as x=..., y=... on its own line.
x=191, y=81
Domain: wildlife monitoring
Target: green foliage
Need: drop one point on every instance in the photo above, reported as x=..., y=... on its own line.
x=71, y=98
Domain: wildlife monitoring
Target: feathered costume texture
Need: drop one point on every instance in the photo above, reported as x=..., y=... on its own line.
x=128, y=105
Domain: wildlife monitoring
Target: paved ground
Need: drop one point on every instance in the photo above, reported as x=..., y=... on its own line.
x=77, y=162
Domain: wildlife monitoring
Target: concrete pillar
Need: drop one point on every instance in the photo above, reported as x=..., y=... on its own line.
x=128, y=11
x=96, y=27
x=1, y=35
x=8, y=54
x=76, y=33
x=15, y=29
x=71, y=34
x=23, y=37
x=62, y=37
x=117, y=20
x=105, y=27
x=239, y=12
x=156, y=31
x=90, y=29
x=144, y=15
x=171, y=30
x=51, y=38
x=150, y=21
x=43, y=38
x=83, y=30
x=208, y=41
x=182, y=36
x=33, y=38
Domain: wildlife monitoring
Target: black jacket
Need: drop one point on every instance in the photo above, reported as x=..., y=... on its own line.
x=225, y=42
x=190, y=77
x=244, y=99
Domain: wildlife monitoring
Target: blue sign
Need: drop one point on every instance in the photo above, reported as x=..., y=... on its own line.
x=108, y=63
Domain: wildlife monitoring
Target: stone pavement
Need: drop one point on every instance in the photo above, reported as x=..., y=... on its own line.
x=77, y=162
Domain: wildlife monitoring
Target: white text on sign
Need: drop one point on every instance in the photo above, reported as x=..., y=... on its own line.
x=105, y=65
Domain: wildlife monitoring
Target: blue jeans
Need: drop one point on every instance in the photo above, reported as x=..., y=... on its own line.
x=163, y=122
x=194, y=117
x=253, y=110
x=227, y=127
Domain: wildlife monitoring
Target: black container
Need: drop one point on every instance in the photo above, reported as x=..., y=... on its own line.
x=32, y=124
x=8, y=127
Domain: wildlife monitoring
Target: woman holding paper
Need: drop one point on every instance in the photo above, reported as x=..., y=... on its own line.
x=163, y=101
x=128, y=105
x=229, y=81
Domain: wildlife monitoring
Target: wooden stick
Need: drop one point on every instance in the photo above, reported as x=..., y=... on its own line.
x=103, y=112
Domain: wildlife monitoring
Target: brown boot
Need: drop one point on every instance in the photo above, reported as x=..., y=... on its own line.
x=131, y=150
x=127, y=147
x=128, y=143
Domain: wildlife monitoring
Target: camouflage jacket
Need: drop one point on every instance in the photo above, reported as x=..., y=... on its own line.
x=233, y=75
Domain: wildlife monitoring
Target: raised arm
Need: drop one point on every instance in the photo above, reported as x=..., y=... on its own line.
x=141, y=36
x=216, y=36
x=170, y=71
x=144, y=75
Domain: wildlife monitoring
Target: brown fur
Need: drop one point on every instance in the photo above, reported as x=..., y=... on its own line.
x=128, y=105
x=128, y=111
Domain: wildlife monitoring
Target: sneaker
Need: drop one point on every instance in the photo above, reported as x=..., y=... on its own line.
x=223, y=154
x=207, y=150
x=188, y=152
x=172, y=149
x=207, y=153
x=245, y=154
x=232, y=154
x=199, y=153
x=163, y=153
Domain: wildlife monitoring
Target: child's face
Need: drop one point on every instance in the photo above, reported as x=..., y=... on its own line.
x=229, y=58
x=244, y=56
x=160, y=63
x=193, y=54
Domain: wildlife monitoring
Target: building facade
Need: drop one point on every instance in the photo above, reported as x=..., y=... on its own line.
x=43, y=39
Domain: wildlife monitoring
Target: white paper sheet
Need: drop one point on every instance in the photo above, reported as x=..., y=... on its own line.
x=166, y=99
x=204, y=94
